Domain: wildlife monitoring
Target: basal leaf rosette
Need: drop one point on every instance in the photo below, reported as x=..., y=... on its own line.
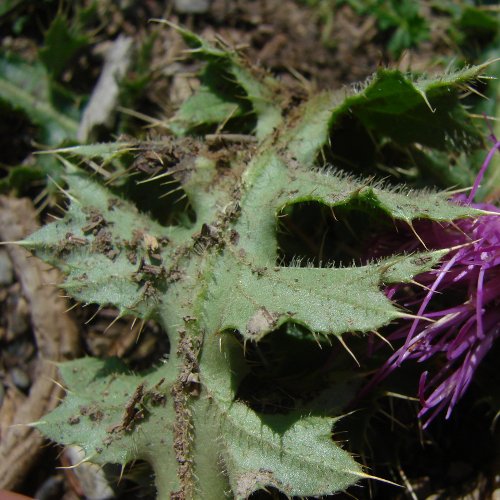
x=218, y=277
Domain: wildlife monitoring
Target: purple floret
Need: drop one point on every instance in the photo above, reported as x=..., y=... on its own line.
x=468, y=282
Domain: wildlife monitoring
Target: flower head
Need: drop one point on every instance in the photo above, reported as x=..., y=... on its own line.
x=461, y=298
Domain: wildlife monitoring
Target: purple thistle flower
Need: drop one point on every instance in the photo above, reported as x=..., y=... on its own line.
x=463, y=332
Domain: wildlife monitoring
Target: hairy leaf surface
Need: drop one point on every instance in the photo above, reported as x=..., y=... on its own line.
x=215, y=285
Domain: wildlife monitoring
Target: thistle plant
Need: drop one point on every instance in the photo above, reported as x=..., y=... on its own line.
x=243, y=151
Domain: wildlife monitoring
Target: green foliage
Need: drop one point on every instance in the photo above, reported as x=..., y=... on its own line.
x=229, y=89
x=34, y=87
x=216, y=286
x=27, y=87
x=62, y=42
x=402, y=20
x=406, y=24
x=471, y=27
x=8, y=5
x=30, y=88
x=400, y=17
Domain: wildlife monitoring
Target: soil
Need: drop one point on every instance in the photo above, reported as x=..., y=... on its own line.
x=288, y=38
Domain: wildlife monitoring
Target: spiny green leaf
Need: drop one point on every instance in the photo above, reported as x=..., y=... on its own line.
x=295, y=455
x=108, y=159
x=392, y=104
x=326, y=300
x=121, y=417
x=204, y=108
x=256, y=232
x=106, y=406
x=248, y=84
x=105, y=151
x=101, y=231
x=265, y=450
